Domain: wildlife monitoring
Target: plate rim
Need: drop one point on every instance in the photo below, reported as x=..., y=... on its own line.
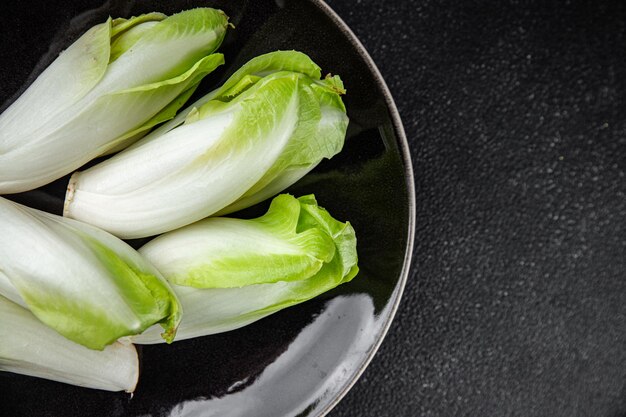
x=410, y=185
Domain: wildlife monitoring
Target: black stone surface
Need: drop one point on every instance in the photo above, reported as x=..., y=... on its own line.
x=517, y=120
x=516, y=116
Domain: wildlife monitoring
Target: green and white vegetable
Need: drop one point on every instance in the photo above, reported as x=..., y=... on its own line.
x=30, y=347
x=112, y=85
x=229, y=273
x=83, y=282
x=272, y=122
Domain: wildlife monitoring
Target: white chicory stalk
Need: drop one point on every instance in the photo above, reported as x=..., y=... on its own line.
x=272, y=122
x=83, y=282
x=29, y=347
x=112, y=85
x=229, y=272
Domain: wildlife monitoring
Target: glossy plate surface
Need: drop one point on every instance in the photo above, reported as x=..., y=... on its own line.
x=300, y=361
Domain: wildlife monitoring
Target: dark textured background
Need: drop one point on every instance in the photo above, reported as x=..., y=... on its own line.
x=516, y=117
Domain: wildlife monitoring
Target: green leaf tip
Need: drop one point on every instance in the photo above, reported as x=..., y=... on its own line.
x=149, y=295
x=334, y=83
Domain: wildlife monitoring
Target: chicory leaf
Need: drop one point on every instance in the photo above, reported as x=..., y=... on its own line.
x=225, y=280
x=261, y=131
x=83, y=282
x=111, y=81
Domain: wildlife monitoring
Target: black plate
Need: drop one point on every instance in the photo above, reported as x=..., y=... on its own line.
x=300, y=361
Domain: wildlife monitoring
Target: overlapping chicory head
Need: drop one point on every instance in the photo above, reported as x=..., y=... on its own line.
x=81, y=281
x=112, y=85
x=229, y=272
x=272, y=122
x=29, y=347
